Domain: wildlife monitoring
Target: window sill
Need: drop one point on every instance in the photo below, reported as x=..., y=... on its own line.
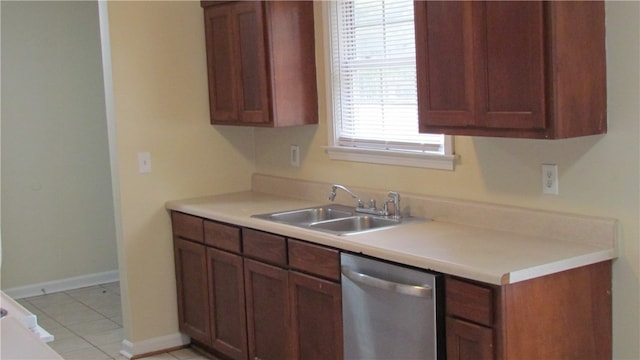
x=386, y=157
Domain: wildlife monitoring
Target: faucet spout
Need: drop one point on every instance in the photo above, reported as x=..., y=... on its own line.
x=335, y=187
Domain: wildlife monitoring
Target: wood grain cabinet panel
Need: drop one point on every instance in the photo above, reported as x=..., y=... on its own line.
x=316, y=312
x=468, y=341
x=314, y=259
x=261, y=63
x=187, y=226
x=227, y=303
x=469, y=301
x=222, y=236
x=192, y=284
x=265, y=247
x=527, y=69
x=268, y=316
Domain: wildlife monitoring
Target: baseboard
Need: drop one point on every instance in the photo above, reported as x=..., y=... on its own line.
x=134, y=350
x=54, y=286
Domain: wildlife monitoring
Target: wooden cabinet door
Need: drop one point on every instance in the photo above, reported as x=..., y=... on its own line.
x=227, y=304
x=480, y=64
x=222, y=64
x=510, y=65
x=236, y=63
x=511, y=68
x=316, y=313
x=193, y=297
x=444, y=63
x=252, y=70
x=266, y=289
x=468, y=341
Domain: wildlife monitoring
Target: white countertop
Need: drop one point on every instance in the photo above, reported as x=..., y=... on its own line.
x=20, y=335
x=491, y=256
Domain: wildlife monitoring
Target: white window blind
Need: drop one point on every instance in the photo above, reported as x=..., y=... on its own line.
x=374, y=77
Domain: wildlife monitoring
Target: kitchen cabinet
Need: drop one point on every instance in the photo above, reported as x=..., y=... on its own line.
x=261, y=63
x=523, y=69
x=267, y=288
x=226, y=291
x=191, y=277
x=257, y=295
x=565, y=315
x=316, y=301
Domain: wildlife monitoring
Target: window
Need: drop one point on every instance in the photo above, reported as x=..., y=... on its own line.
x=373, y=86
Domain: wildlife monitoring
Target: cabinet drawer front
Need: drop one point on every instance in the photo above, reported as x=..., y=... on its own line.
x=469, y=301
x=187, y=226
x=264, y=246
x=314, y=259
x=225, y=237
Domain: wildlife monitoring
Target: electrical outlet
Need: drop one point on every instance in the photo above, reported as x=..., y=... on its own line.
x=144, y=162
x=550, y=179
x=294, y=156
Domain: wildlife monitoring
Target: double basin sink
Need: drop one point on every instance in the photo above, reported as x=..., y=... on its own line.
x=334, y=218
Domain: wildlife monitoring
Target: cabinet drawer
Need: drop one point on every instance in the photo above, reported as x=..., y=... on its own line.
x=222, y=236
x=314, y=259
x=264, y=246
x=469, y=301
x=187, y=226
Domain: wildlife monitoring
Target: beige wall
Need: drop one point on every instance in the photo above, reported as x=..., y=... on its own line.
x=57, y=215
x=161, y=107
x=599, y=175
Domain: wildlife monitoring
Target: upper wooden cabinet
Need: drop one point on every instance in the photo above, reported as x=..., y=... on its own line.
x=524, y=69
x=261, y=63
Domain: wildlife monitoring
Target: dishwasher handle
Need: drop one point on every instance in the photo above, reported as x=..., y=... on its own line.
x=423, y=291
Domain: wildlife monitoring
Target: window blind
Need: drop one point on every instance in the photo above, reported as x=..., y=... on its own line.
x=374, y=77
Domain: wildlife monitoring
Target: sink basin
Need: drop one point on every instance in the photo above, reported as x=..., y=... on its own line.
x=335, y=219
x=309, y=215
x=355, y=224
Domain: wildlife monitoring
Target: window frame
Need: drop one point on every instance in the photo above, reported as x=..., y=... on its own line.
x=335, y=151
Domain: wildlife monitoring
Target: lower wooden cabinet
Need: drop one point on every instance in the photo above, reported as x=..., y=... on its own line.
x=316, y=310
x=565, y=315
x=239, y=297
x=227, y=303
x=248, y=294
x=266, y=289
x=466, y=340
x=193, y=297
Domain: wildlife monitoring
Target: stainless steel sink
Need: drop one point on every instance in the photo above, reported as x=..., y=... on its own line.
x=355, y=224
x=309, y=215
x=335, y=219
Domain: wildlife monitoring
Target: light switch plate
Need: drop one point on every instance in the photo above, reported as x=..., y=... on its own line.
x=144, y=162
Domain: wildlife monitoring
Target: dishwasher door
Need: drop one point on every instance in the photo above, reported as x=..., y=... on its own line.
x=390, y=311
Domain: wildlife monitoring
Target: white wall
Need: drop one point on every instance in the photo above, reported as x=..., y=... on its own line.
x=57, y=212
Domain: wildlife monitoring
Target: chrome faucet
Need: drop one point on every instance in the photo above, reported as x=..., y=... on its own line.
x=395, y=200
x=371, y=208
x=335, y=187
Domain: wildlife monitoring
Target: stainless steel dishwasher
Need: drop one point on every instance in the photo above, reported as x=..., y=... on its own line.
x=390, y=311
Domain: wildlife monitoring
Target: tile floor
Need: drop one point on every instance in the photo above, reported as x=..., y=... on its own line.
x=87, y=323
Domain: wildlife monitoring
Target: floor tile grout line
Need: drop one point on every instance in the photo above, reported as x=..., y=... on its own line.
x=67, y=328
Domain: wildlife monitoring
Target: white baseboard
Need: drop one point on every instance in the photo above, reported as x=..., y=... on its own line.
x=160, y=343
x=54, y=286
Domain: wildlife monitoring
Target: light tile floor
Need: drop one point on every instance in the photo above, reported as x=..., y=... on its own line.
x=87, y=323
